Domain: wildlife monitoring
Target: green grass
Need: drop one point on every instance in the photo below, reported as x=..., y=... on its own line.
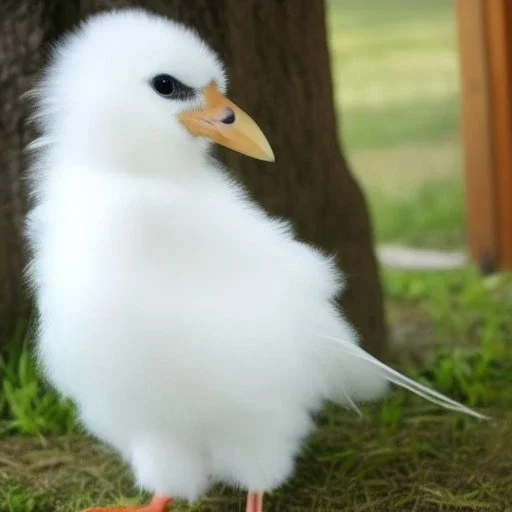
x=412, y=122
x=27, y=405
x=432, y=217
x=395, y=70
x=450, y=330
x=397, y=93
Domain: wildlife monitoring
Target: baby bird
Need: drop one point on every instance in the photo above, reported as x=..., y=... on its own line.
x=192, y=330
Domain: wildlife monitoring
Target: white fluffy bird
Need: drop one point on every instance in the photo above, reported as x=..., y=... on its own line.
x=194, y=332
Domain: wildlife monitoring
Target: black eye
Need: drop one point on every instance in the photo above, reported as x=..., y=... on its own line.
x=169, y=87
x=164, y=84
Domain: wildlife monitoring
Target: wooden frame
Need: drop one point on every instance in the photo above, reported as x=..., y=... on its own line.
x=485, y=43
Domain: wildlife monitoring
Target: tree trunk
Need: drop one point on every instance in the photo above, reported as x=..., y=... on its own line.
x=25, y=26
x=278, y=64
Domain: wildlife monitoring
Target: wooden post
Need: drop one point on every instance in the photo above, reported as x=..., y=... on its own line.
x=485, y=42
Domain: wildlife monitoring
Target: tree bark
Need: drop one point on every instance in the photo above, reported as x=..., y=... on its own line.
x=278, y=64
x=25, y=26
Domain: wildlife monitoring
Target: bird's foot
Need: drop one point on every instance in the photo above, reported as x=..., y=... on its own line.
x=158, y=504
x=254, y=502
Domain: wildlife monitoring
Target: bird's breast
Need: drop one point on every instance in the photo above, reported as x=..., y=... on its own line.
x=157, y=290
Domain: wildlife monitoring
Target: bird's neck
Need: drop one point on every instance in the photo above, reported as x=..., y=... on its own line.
x=138, y=164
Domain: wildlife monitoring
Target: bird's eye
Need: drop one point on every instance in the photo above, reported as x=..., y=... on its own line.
x=171, y=88
x=164, y=84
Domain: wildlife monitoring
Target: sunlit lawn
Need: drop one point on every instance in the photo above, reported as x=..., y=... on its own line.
x=396, y=87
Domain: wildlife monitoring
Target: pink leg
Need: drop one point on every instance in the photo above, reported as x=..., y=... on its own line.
x=254, y=502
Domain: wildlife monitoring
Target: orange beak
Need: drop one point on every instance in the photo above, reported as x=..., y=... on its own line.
x=228, y=125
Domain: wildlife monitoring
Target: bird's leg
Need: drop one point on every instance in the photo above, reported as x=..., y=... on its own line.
x=158, y=504
x=254, y=502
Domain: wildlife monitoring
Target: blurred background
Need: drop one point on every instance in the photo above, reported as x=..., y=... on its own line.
x=396, y=69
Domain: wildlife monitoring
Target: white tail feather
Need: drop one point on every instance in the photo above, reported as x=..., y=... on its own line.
x=351, y=404
x=387, y=373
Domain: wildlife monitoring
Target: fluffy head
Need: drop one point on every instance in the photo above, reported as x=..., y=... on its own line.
x=98, y=97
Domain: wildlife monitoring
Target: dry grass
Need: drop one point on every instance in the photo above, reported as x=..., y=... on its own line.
x=433, y=462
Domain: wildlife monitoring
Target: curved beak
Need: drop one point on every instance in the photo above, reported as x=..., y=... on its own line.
x=228, y=125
